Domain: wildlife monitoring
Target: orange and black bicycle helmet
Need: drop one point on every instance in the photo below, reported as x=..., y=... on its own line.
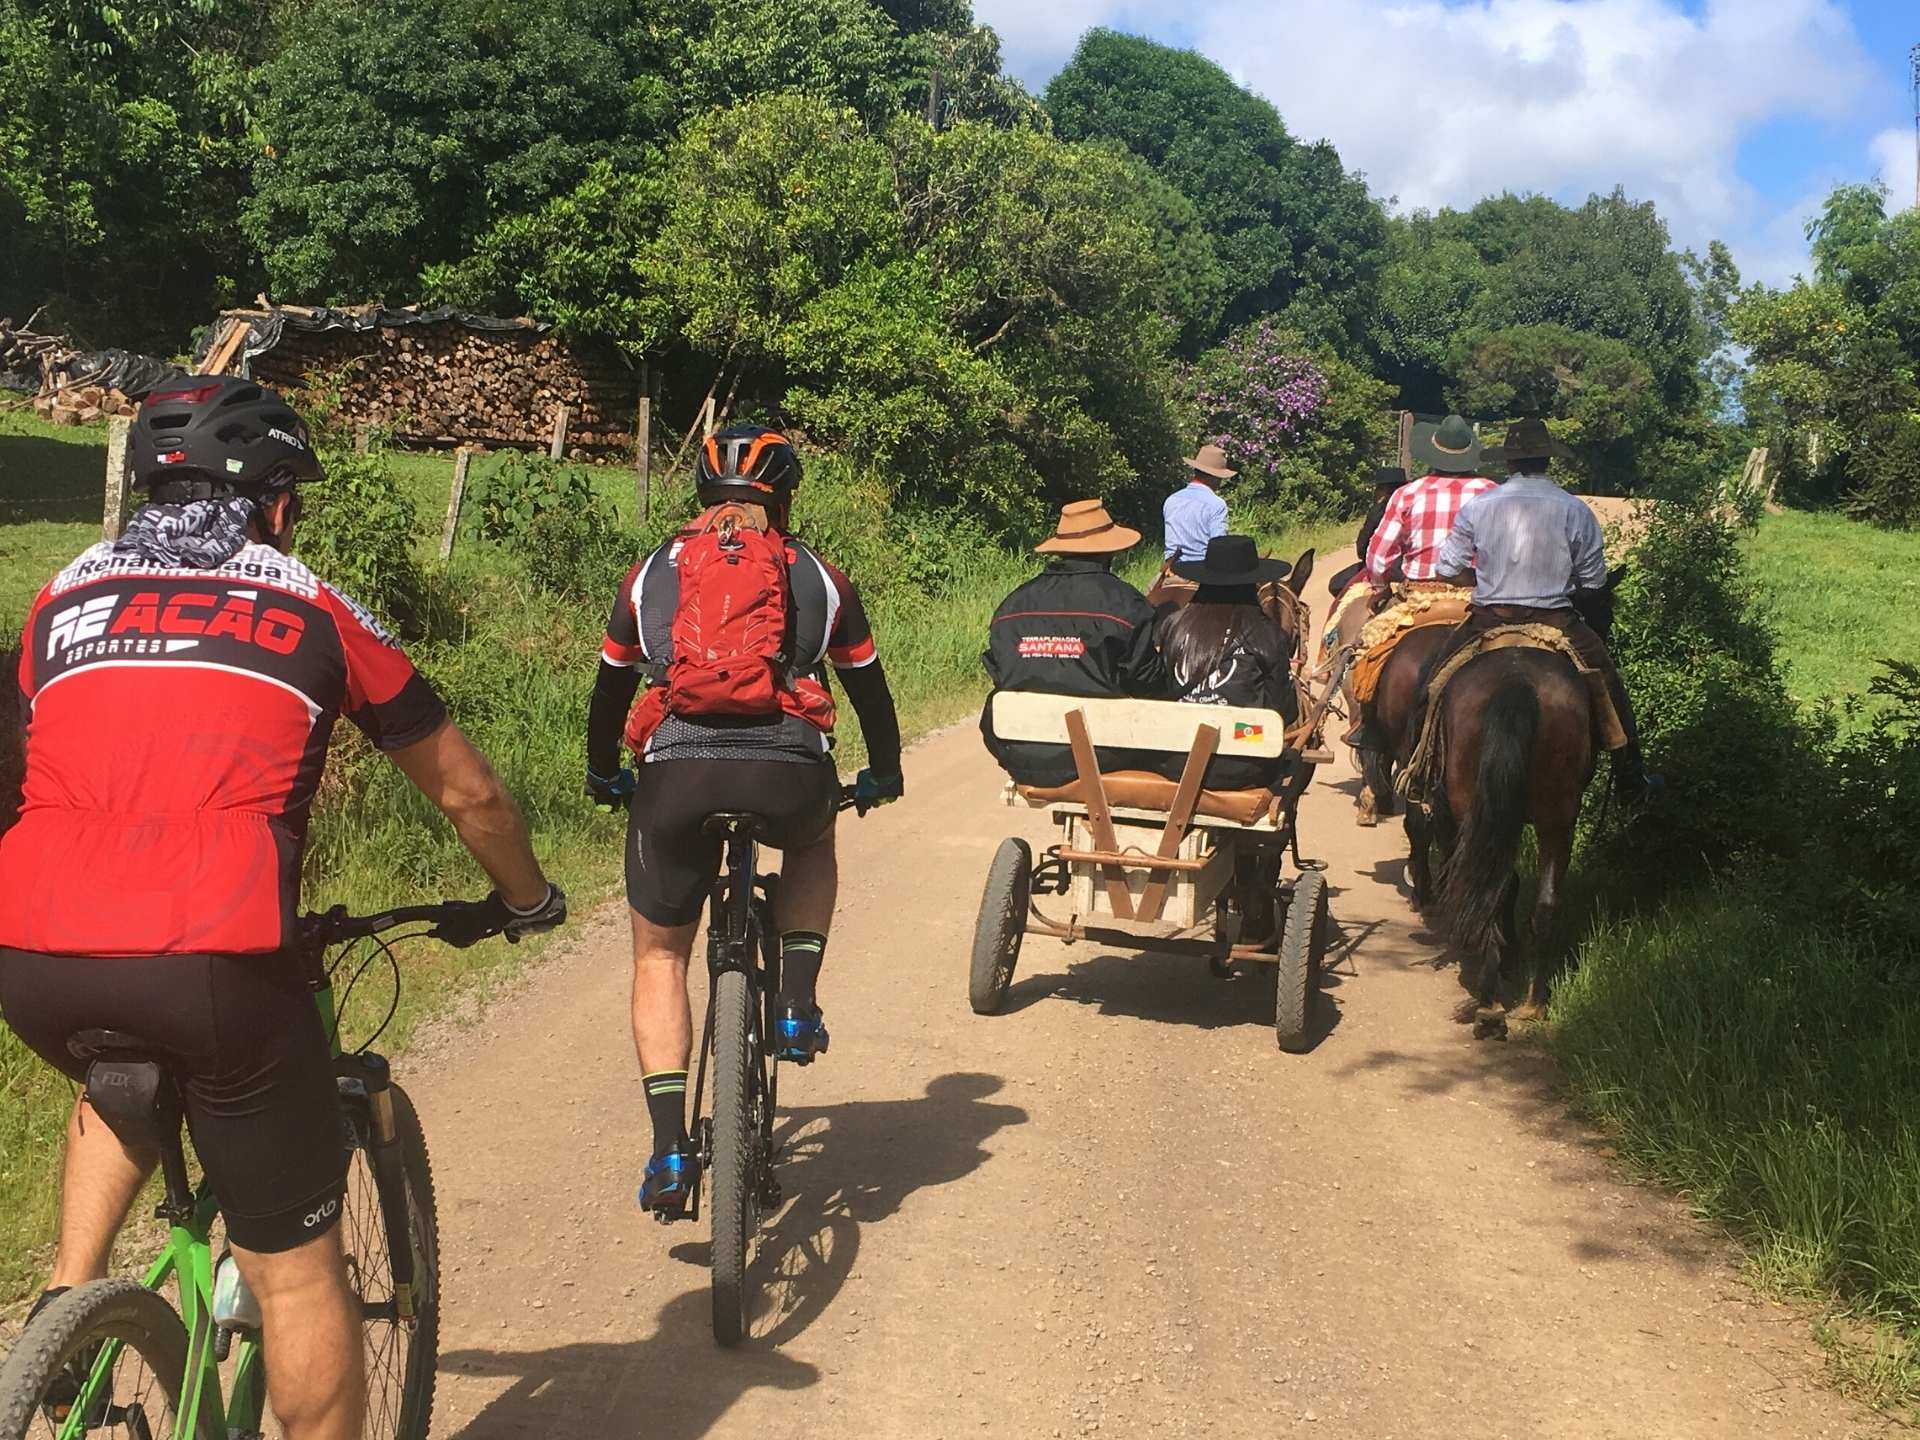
x=750, y=463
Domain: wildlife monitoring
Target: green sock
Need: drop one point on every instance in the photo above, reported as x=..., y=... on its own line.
x=667, y=1106
x=801, y=952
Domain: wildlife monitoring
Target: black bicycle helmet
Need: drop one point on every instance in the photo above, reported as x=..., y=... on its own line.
x=210, y=435
x=747, y=462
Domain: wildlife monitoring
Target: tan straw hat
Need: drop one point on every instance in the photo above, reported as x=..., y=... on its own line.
x=1087, y=529
x=1212, y=460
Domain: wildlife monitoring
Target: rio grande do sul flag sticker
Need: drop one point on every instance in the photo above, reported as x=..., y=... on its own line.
x=1252, y=734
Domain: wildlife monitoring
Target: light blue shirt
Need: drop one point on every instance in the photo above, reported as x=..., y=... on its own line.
x=1194, y=515
x=1529, y=543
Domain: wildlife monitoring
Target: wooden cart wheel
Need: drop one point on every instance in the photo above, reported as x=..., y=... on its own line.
x=1001, y=927
x=1297, y=972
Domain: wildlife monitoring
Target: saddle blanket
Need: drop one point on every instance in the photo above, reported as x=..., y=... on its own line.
x=1414, y=607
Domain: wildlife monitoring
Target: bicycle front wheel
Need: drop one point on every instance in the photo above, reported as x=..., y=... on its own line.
x=736, y=1131
x=402, y=1354
x=51, y=1369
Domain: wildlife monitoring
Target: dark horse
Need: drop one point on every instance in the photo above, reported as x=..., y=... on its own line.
x=1392, y=708
x=1517, y=749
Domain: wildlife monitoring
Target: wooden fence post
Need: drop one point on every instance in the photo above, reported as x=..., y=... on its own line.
x=462, y=458
x=559, y=446
x=114, y=519
x=1406, y=442
x=707, y=427
x=643, y=441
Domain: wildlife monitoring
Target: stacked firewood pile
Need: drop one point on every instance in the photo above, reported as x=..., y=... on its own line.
x=447, y=381
x=75, y=387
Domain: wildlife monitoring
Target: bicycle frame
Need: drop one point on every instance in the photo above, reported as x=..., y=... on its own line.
x=187, y=1259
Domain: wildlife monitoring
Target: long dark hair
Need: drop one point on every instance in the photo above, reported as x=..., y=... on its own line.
x=1195, y=637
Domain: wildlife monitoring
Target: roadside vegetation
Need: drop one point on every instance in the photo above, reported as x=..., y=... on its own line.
x=1744, y=1015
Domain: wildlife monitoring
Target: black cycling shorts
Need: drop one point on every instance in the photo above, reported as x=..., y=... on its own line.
x=671, y=865
x=243, y=1036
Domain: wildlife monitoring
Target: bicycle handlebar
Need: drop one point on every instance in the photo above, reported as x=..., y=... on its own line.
x=459, y=923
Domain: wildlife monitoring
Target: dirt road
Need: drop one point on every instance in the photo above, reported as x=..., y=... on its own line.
x=1117, y=1209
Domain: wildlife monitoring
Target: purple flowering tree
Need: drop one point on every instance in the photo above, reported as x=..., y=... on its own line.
x=1299, y=427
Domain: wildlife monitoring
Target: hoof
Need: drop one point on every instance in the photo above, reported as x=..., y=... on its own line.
x=1531, y=1013
x=1490, y=1022
x=1366, y=810
x=1466, y=1012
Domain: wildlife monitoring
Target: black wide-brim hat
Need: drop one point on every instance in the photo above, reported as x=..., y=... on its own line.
x=1232, y=560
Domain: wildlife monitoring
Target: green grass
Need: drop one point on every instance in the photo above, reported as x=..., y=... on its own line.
x=1842, y=596
x=1772, y=1074
x=52, y=493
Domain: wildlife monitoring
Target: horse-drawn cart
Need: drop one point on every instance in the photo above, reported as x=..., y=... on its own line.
x=1148, y=863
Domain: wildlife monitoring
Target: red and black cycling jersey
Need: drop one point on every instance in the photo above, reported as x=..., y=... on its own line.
x=827, y=624
x=176, y=727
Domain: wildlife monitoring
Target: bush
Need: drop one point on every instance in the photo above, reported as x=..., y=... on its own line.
x=1715, y=715
x=1888, y=491
x=550, y=517
x=1874, y=819
x=358, y=531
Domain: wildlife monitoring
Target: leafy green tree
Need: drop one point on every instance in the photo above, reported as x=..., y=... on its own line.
x=1291, y=227
x=1605, y=269
x=1428, y=289
x=124, y=143
x=399, y=134
x=1602, y=395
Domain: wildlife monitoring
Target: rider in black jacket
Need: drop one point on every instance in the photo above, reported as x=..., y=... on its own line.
x=1074, y=629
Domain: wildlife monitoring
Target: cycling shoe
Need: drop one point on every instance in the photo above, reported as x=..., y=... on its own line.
x=799, y=1034
x=672, y=1177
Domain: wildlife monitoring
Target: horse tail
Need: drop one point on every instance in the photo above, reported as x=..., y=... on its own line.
x=1482, y=861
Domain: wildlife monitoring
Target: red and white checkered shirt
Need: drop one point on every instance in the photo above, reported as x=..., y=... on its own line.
x=1419, y=518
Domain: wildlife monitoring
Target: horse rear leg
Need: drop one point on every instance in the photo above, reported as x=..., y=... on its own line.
x=1556, y=855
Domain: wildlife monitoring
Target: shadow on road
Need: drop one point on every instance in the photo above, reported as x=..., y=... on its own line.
x=845, y=1167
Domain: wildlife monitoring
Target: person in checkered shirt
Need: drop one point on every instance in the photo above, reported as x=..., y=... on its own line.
x=1421, y=514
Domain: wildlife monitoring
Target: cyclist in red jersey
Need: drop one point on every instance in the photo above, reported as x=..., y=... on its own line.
x=179, y=687
x=776, y=766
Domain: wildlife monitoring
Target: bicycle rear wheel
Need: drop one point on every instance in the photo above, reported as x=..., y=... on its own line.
x=402, y=1356
x=736, y=1130
x=139, y=1398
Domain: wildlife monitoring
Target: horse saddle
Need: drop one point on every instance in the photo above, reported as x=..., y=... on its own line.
x=1609, y=733
x=1413, y=608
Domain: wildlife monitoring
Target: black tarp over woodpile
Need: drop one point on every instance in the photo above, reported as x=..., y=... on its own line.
x=434, y=375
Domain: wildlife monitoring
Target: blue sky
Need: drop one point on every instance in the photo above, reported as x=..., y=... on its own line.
x=1736, y=116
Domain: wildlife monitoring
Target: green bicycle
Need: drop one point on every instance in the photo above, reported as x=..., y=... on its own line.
x=114, y=1358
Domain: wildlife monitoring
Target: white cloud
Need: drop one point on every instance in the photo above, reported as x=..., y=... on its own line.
x=1893, y=161
x=1443, y=103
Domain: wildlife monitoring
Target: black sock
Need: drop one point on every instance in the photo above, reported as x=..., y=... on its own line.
x=801, y=952
x=667, y=1106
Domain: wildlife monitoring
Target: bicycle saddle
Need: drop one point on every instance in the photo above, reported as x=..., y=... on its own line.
x=111, y=1045
x=735, y=822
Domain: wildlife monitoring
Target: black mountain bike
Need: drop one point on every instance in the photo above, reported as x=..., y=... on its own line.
x=113, y=1357
x=735, y=1144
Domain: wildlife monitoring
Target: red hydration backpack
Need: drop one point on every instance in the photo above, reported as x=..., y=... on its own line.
x=730, y=631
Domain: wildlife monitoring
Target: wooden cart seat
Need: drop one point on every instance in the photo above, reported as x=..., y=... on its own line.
x=1143, y=790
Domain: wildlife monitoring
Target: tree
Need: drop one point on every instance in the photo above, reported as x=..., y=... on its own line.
x=1427, y=293
x=1602, y=395
x=1292, y=229
x=124, y=142
x=399, y=134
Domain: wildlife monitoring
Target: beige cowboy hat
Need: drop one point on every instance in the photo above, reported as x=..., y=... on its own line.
x=1530, y=440
x=1087, y=529
x=1212, y=460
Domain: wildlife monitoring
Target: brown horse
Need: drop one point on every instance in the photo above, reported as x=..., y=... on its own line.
x=1517, y=749
x=1392, y=709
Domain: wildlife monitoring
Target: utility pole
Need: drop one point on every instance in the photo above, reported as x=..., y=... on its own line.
x=1913, y=65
